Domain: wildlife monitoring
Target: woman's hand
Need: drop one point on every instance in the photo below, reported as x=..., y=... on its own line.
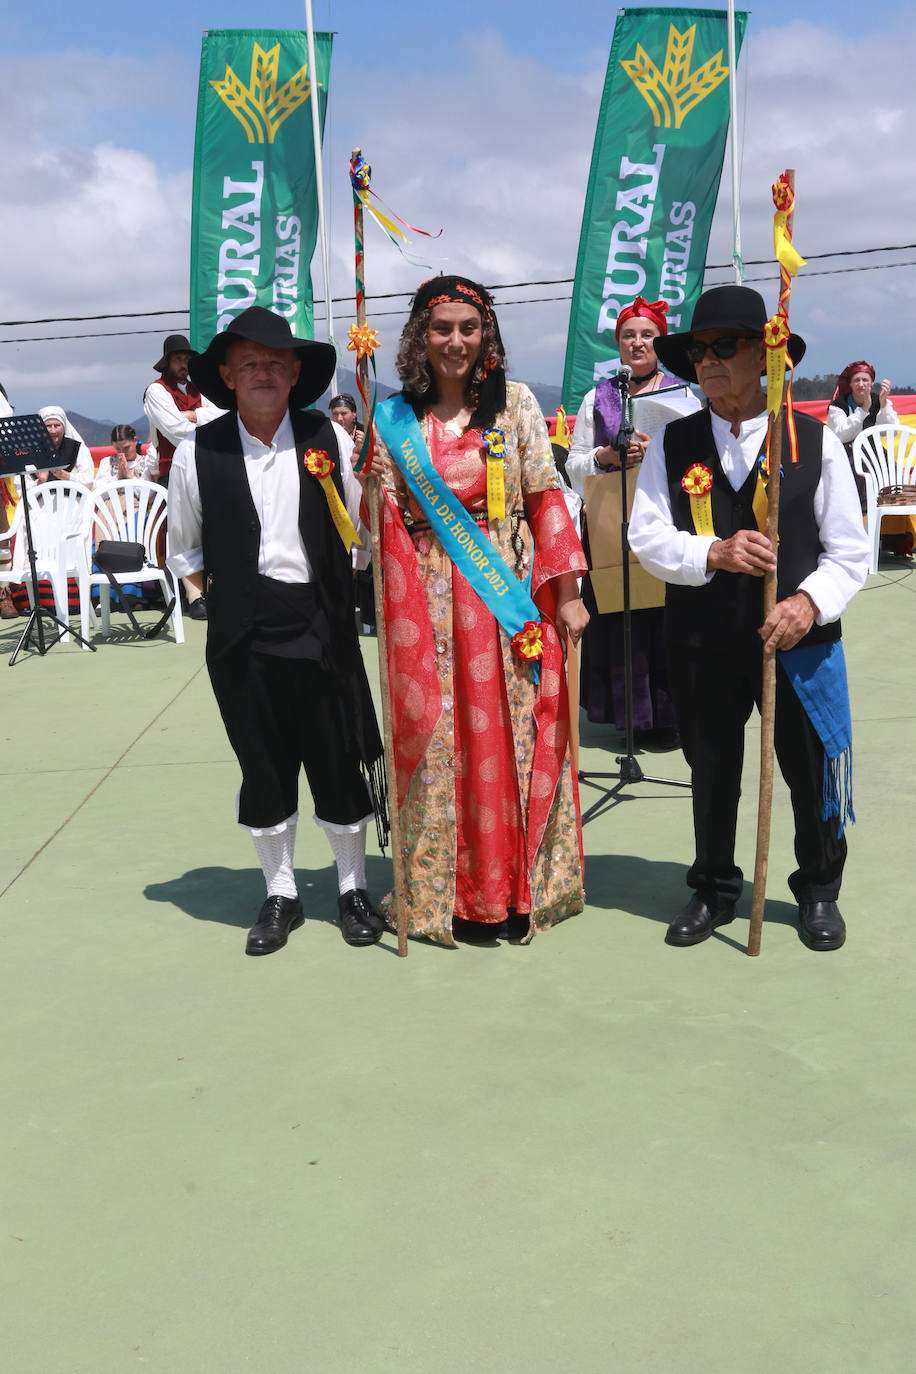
x=883, y=394
x=573, y=618
x=637, y=449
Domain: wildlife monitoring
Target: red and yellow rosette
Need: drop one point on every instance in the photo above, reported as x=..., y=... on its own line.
x=784, y=199
x=697, y=483
x=528, y=642
x=321, y=465
x=775, y=336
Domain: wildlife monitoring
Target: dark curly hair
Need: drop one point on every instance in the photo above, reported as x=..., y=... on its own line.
x=485, y=390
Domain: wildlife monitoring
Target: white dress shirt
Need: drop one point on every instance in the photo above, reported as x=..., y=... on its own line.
x=847, y=427
x=273, y=479
x=680, y=557
x=581, y=461
x=165, y=417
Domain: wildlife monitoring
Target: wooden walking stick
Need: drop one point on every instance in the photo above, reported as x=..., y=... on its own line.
x=776, y=335
x=363, y=341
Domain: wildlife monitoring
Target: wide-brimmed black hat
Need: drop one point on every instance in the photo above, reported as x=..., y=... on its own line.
x=262, y=326
x=721, y=307
x=172, y=343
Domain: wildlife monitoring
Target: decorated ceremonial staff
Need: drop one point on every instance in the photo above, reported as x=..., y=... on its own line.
x=363, y=341
x=776, y=337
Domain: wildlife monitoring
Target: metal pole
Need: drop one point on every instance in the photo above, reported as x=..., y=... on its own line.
x=319, y=178
x=733, y=115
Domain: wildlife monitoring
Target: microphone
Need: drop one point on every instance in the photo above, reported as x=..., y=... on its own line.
x=624, y=372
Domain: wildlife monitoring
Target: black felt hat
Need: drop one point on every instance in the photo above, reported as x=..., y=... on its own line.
x=262, y=326
x=721, y=307
x=172, y=343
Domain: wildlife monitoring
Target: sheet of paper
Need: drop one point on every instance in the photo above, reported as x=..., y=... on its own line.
x=651, y=413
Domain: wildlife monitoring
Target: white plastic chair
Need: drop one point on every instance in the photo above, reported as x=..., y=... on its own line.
x=885, y=455
x=134, y=511
x=56, y=511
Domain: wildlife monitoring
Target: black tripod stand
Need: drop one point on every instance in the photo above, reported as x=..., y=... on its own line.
x=25, y=443
x=629, y=768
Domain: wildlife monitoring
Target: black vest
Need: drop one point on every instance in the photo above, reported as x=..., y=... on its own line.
x=729, y=608
x=231, y=537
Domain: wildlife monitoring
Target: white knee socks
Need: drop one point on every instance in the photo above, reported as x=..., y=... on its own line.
x=349, y=847
x=275, y=855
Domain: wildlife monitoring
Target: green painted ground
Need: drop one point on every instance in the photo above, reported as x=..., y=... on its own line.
x=593, y=1154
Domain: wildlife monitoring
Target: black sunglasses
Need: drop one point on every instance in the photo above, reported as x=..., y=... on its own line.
x=726, y=347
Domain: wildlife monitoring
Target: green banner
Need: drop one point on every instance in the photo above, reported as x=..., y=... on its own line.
x=654, y=179
x=255, y=209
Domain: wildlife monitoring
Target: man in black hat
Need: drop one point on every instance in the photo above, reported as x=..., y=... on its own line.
x=263, y=508
x=174, y=409
x=697, y=523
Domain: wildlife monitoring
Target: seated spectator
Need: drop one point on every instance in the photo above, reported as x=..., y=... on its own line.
x=127, y=461
x=76, y=461
x=854, y=407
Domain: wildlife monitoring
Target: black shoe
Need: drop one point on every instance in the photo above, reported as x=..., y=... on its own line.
x=820, y=925
x=359, y=923
x=198, y=609
x=696, y=921
x=479, y=932
x=372, y=918
x=277, y=917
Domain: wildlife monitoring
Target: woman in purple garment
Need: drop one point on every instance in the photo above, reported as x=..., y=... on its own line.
x=603, y=689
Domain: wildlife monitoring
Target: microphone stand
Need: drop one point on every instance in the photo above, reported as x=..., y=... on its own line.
x=628, y=765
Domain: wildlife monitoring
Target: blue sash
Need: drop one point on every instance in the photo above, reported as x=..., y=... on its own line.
x=508, y=600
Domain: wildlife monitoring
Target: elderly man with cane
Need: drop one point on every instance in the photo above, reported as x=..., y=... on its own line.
x=696, y=523
x=264, y=505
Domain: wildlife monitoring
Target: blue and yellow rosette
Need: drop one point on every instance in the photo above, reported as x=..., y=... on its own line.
x=528, y=642
x=697, y=483
x=494, y=441
x=321, y=465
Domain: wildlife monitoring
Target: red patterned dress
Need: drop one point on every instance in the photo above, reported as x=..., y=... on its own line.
x=488, y=803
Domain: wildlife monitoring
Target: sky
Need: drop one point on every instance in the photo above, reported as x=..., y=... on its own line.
x=479, y=118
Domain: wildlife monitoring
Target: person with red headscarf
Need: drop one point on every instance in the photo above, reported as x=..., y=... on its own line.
x=603, y=689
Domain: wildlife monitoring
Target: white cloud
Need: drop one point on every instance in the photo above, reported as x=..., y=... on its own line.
x=495, y=147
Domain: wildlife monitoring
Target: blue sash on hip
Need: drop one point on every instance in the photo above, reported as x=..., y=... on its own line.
x=486, y=570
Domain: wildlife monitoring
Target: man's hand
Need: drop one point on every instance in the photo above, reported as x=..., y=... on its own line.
x=788, y=622
x=748, y=551
x=191, y=415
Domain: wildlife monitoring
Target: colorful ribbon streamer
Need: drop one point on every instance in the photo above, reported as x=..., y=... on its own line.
x=360, y=179
x=494, y=441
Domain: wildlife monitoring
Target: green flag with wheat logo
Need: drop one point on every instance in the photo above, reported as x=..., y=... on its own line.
x=656, y=165
x=254, y=217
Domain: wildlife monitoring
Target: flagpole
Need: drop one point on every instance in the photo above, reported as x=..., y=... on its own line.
x=733, y=115
x=319, y=178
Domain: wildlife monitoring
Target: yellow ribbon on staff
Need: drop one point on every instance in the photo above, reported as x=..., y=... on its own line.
x=320, y=465
x=786, y=255
x=759, y=503
x=697, y=483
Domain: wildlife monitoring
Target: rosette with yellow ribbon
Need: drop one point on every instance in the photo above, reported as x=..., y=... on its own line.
x=697, y=483
x=494, y=441
x=528, y=643
x=320, y=464
x=775, y=336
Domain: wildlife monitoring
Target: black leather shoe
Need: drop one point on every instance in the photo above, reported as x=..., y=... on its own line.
x=468, y=932
x=277, y=917
x=198, y=608
x=820, y=925
x=359, y=923
x=696, y=921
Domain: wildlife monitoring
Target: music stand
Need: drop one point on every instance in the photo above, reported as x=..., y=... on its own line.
x=26, y=443
x=628, y=765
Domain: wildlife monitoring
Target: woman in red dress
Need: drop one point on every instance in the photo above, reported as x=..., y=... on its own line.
x=491, y=832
